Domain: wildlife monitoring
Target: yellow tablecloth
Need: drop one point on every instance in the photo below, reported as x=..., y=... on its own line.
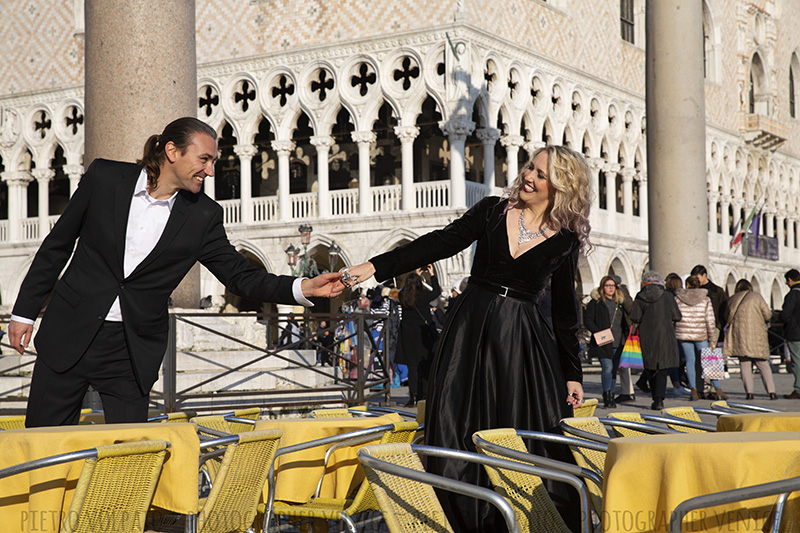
x=34, y=501
x=647, y=477
x=760, y=422
x=297, y=474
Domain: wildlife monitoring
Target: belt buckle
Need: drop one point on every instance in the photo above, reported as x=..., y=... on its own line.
x=504, y=294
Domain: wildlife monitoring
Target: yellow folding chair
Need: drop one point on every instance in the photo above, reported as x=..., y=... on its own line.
x=587, y=409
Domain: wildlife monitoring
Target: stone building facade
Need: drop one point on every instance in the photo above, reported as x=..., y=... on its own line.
x=379, y=120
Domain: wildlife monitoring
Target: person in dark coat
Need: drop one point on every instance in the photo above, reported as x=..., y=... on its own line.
x=656, y=312
x=415, y=344
x=717, y=295
x=605, y=311
x=790, y=316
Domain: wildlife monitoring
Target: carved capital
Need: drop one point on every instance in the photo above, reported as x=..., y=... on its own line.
x=595, y=163
x=245, y=151
x=457, y=129
x=611, y=169
x=363, y=137
x=406, y=133
x=627, y=174
x=283, y=148
x=488, y=135
x=73, y=171
x=20, y=178
x=43, y=174
x=512, y=141
x=322, y=142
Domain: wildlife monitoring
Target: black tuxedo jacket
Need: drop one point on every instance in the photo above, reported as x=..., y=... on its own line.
x=97, y=217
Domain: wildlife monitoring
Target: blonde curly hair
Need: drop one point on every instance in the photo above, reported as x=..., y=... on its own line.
x=569, y=179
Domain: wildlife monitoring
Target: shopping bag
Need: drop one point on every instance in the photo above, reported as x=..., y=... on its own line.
x=713, y=363
x=632, y=351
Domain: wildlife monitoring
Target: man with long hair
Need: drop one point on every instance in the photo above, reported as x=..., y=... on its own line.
x=139, y=228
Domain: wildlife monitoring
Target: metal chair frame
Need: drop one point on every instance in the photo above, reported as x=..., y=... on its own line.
x=782, y=488
x=468, y=489
x=674, y=420
x=637, y=426
x=372, y=432
x=582, y=433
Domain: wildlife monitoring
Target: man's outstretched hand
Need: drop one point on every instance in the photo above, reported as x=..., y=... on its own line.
x=323, y=286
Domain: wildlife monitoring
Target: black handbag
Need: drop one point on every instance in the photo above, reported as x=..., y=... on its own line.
x=430, y=333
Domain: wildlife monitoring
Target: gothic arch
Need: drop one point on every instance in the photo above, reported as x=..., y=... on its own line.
x=255, y=251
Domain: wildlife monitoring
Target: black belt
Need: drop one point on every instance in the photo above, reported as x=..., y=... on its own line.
x=503, y=291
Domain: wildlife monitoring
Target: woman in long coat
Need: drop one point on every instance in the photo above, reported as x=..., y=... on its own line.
x=605, y=311
x=746, y=336
x=415, y=344
x=656, y=312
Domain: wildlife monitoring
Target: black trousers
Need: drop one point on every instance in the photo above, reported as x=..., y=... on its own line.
x=55, y=398
x=658, y=383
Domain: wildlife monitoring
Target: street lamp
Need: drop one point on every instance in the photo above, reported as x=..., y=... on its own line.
x=305, y=265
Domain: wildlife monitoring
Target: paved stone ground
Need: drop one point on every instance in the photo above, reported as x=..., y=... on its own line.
x=733, y=387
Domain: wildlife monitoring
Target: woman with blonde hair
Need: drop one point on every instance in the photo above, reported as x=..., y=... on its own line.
x=605, y=319
x=498, y=362
x=746, y=336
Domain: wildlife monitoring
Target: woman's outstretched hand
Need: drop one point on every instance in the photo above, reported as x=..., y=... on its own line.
x=357, y=274
x=574, y=394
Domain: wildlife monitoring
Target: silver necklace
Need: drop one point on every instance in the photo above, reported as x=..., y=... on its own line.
x=525, y=234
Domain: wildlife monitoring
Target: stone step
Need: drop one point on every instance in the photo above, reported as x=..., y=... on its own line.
x=219, y=360
x=15, y=360
x=284, y=378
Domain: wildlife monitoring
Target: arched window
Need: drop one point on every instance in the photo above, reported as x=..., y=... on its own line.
x=758, y=92
x=626, y=20
x=711, y=46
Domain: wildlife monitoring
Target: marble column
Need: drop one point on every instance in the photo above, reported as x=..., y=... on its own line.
x=284, y=149
x=364, y=140
x=17, y=183
x=74, y=173
x=488, y=138
x=512, y=144
x=644, y=207
x=610, y=170
x=246, y=152
x=323, y=145
x=408, y=197
x=140, y=73
x=725, y=206
x=627, y=197
x=675, y=107
x=780, y=234
x=769, y=222
x=595, y=164
x=43, y=177
x=457, y=131
x=713, y=198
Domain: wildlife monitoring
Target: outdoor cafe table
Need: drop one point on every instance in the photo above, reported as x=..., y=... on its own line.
x=760, y=422
x=35, y=501
x=646, y=477
x=298, y=473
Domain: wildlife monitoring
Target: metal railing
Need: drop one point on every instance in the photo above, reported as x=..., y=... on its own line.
x=360, y=371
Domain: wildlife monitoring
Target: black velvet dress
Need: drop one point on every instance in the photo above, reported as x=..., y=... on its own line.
x=498, y=364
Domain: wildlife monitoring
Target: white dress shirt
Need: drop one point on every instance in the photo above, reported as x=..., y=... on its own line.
x=147, y=219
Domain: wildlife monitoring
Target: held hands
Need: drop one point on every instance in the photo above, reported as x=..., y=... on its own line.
x=356, y=274
x=19, y=335
x=574, y=394
x=324, y=286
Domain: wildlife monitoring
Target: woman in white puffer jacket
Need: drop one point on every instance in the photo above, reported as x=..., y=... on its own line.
x=695, y=331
